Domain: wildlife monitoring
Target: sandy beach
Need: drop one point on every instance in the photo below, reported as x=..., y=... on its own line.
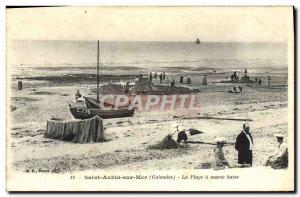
x=129, y=139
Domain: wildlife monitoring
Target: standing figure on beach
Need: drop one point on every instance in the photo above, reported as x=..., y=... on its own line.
x=150, y=76
x=204, y=81
x=127, y=88
x=164, y=75
x=279, y=159
x=172, y=84
x=240, y=89
x=269, y=80
x=20, y=86
x=244, y=144
x=259, y=81
x=181, y=79
x=155, y=75
x=160, y=77
x=188, y=81
x=232, y=77
x=220, y=162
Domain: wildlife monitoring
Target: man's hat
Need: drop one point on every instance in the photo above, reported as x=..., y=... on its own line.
x=279, y=135
x=246, y=125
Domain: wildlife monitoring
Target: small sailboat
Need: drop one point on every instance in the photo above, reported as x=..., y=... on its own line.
x=197, y=41
x=93, y=105
x=86, y=113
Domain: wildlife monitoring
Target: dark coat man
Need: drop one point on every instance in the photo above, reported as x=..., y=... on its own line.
x=161, y=77
x=243, y=145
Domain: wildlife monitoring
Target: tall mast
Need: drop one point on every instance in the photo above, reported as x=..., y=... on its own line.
x=98, y=51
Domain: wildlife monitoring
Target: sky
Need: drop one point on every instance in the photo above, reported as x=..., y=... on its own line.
x=209, y=24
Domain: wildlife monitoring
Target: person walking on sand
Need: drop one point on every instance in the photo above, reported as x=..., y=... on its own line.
x=244, y=145
x=220, y=162
x=269, y=80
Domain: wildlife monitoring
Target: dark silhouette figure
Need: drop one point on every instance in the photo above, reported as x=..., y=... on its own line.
x=182, y=136
x=204, y=81
x=161, y=77
x=127, y=88
x=243, y=145
x=181, y=79
x=259, y=81
x=240, y=89
x=77, y=95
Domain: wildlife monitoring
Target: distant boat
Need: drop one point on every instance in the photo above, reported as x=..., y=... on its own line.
x=93, y=105
x=197, y=41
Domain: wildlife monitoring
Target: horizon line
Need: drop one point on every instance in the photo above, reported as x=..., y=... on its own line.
x=185, y=41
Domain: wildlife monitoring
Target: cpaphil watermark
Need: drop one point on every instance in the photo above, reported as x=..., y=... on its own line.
x=151, y=102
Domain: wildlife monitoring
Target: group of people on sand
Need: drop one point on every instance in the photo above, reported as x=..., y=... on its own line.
x=244, y=145
x=188, y=79
x=235, y=78
x=181, y=80
x=236, y=89
x=162, y=76
x=259, y=81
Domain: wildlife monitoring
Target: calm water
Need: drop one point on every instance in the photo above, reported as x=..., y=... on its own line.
x=69, y=54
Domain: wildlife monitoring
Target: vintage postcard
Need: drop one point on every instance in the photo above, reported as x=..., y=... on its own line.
x=150, y=99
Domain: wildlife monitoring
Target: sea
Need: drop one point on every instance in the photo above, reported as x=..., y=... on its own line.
x=29, y=58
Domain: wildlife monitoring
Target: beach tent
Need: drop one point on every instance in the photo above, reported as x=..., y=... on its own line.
x=77, y=131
